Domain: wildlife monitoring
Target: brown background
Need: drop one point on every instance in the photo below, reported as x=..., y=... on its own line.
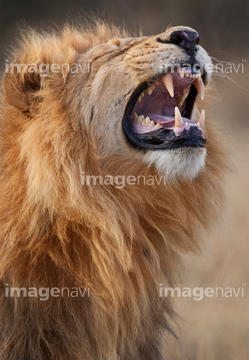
x=214, y=328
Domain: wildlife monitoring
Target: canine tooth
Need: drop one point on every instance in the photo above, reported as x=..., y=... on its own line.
x=168, y=82
x=178, y=118
x=201, y=119
x=158, y=126
x=198, y=83
x=140, y=119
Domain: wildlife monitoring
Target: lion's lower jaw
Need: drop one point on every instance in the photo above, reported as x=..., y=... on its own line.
x=180, y=164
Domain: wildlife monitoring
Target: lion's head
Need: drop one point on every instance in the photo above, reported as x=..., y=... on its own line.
x=141, y=92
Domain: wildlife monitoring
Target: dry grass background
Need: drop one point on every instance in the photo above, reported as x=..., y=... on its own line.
x=218, y=328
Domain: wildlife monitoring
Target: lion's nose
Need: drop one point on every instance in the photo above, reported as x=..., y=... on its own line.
x=182, y=36
x=187, y=39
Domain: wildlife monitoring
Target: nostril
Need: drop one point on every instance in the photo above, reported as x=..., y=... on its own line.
x=186, y=39
x=177, y=38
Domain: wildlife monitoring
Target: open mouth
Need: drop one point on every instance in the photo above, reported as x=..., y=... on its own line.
x=158, y=113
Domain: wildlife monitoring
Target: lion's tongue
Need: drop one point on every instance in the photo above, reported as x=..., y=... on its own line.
x=167, y=121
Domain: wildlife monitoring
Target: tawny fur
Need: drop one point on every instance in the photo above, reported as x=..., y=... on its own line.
x=54, y=232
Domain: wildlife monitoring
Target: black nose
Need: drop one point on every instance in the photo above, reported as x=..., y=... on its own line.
x=188, y=39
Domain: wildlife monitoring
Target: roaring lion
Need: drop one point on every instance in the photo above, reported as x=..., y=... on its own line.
x=79, y=106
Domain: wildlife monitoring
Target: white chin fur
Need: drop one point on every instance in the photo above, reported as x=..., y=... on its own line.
x=179, y=164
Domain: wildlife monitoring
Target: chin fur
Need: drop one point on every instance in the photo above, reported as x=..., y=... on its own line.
x=180, y=164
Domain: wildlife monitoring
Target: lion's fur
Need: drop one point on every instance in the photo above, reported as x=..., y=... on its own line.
x=54, y=232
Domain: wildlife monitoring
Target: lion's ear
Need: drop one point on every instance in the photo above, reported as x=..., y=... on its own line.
x=19, y=87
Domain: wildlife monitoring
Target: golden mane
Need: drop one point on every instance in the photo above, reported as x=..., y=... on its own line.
x=56, y=232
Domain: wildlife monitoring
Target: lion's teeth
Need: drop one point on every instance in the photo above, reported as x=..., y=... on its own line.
x=178, y=118
x=140, y=119
x=198, y=83
x=135, y=118
x=147, y=121
x=201, y=119
x=158, y=126
x=168, y=82
x=181, y=72
x=186, y=123
x=150, y=89
x=141, y=96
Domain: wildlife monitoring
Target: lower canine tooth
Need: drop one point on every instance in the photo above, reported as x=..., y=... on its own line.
x=178, y=118
x=201, y=119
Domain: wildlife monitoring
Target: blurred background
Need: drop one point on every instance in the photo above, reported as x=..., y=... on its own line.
x=214, y=328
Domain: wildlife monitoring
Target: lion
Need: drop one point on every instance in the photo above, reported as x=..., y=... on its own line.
x=98, y=102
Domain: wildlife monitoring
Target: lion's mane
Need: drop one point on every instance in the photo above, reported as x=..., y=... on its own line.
x=123, y=243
